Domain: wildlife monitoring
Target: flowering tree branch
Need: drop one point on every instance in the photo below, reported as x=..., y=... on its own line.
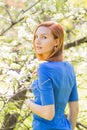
x=14, y=22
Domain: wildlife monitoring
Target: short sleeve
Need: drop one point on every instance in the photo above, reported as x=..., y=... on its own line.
x=74, y=92
x=45, y=86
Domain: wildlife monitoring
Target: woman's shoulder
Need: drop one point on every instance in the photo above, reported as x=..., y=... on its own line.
x=55, y=65
x=45, y=68
x=69, y=65
x=44, y=65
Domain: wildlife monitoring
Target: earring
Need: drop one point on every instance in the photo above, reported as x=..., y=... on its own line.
x=55, y=47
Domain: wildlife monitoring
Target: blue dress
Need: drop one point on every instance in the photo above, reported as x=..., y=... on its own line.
x=56, y=84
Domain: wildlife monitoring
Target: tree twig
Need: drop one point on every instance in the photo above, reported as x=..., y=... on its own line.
x=80, y=124
x=6, y=8
x=76, y=42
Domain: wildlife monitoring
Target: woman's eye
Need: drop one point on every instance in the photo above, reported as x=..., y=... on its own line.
x=44, y=37
x=36, y=37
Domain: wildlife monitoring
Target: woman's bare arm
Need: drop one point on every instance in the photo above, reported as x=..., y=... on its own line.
x=47, y=112
x=73, y=113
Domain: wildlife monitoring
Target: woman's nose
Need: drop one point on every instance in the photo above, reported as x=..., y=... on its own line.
x=38, y=41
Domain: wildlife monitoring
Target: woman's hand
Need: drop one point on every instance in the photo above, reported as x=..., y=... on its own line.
x=28, y=102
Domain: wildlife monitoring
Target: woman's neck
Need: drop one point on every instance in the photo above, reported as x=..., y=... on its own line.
x=59, y=58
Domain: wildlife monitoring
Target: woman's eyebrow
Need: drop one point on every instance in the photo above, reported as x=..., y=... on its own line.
x=42, y=34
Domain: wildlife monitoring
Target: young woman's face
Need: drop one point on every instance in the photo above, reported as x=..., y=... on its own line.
x=44, y=41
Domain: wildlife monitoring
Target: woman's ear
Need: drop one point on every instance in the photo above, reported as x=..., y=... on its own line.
x=57, y=42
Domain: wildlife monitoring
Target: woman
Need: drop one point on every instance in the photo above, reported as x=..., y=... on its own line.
x=56, y=83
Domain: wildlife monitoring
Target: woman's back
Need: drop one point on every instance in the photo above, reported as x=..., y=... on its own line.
x=55, y=86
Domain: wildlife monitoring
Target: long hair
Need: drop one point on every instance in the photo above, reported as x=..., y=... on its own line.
x=57, y=32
